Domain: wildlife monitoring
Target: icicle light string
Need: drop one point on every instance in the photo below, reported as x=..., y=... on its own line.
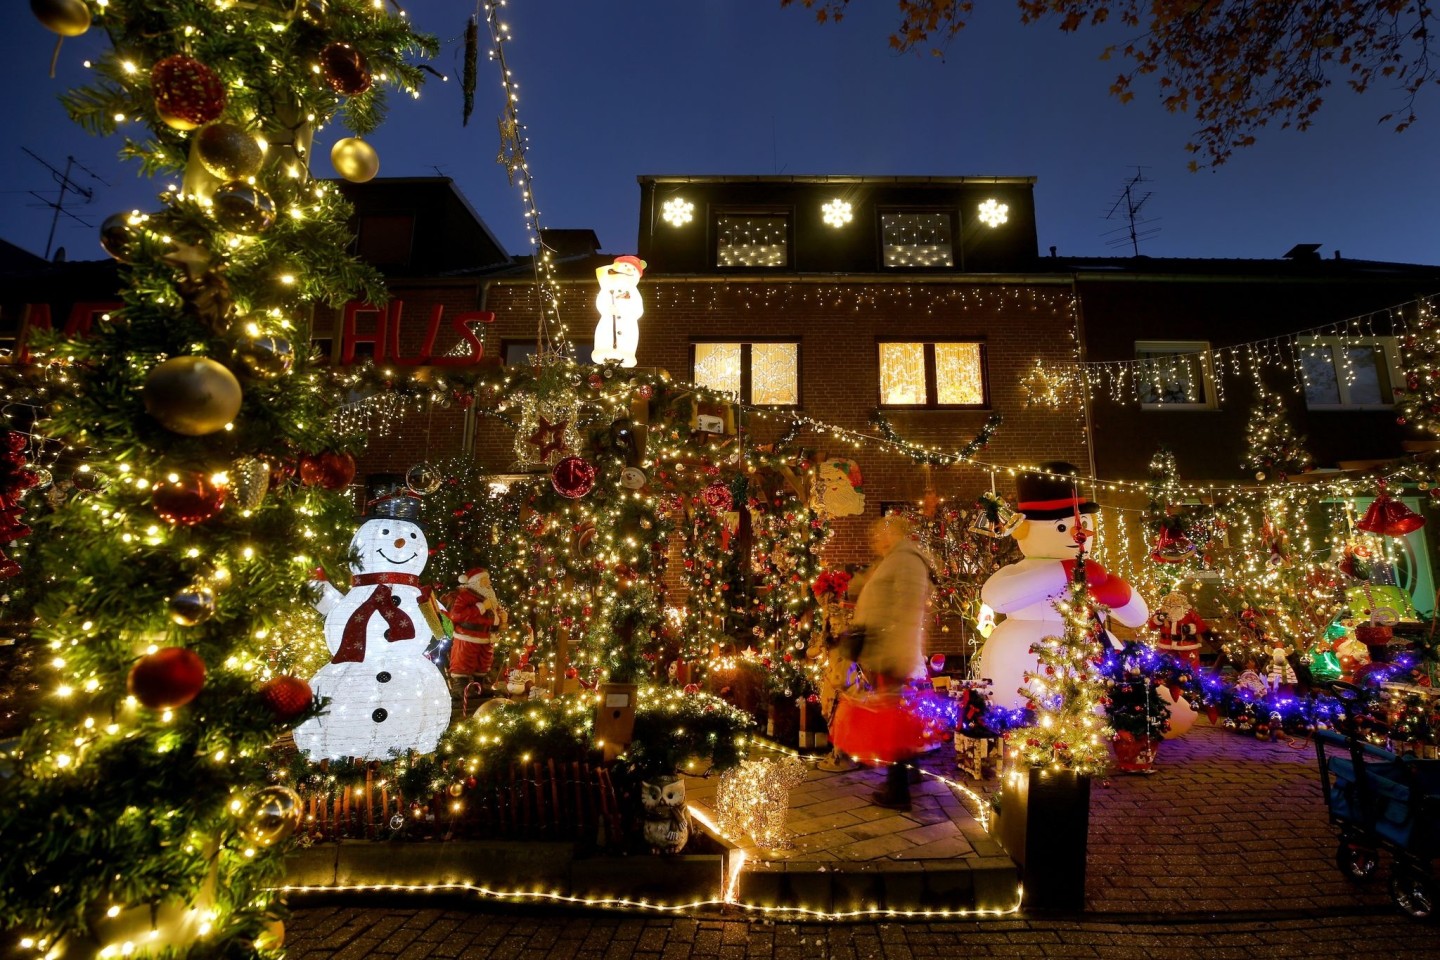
x=1128, y=380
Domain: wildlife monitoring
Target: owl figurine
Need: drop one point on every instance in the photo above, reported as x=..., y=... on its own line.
x=666, y=821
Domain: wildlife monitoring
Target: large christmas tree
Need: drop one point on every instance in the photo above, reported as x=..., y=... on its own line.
x=136, y=815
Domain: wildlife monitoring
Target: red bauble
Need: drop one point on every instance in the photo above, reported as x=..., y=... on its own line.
x=167, y=678
x=188, y=499
x=717, y=497
x=287, y=697
x=597, y=382
x=346, y=69
x=573, y=477
x=330, y=470
x=188, y=94
x=645, y=390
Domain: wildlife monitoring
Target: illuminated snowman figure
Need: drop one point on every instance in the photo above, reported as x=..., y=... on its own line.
x=384, y=695
x=618, y=332
x=1025, y=590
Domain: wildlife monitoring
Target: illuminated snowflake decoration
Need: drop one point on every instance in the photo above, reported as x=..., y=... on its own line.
x=678, y=212
x=992, y=214
x=837, y=213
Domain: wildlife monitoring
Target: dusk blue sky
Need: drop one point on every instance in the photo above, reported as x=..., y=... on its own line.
x=609, y=91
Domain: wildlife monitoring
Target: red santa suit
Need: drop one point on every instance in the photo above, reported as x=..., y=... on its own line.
x=1179, y=634
x=476, y=614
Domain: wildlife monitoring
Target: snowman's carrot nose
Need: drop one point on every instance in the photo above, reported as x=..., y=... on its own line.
x=399, y=543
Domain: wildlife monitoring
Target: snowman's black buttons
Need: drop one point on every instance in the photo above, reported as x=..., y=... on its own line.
x=379, y=715
x=394, y=600
x=383, y=676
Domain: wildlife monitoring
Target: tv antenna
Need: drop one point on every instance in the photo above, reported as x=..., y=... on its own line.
x=67, y=185
x=1127, y=207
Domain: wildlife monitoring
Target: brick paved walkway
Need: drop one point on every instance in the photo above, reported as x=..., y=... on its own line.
x=1224, y=852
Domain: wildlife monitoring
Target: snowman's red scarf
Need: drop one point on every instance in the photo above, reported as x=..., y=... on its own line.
x=352, y=640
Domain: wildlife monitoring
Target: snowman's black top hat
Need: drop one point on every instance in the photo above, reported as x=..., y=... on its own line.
x=1053, y=494
x=387, y=495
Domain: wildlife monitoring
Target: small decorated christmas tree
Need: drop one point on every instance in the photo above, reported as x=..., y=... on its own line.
x=1067, y=692
x=1272, y=448
x=1418, y=402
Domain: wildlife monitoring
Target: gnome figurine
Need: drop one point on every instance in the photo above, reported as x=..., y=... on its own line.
x=383, y=695
x=1024, y=590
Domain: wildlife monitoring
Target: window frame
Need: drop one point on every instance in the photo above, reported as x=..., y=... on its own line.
x=1203, y=350
x=713, y=223
x=1389, y=349
x=954, y=213
x=746, y=385
x=932, y=386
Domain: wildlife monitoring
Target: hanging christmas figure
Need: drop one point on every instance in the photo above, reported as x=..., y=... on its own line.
x=1024, y=590
x=617, y=334
x=384, y=696
x=476, y=613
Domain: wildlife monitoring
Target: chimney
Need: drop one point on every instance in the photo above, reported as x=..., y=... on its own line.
x=1303, y=251
x=1052, y=251
x=1337, y=254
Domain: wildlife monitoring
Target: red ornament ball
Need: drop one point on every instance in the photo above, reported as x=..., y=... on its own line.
x=717, y=497
x=287, y=697
x=329, y=470
x=187, y=499
x=167, y=678
x=597, y=382
x=346, y=69
x=692, y=688
x=646, y=391
x=573, y=477
x=188, y=94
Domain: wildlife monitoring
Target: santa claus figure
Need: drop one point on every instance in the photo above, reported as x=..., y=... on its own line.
x=1178, y=628
x=1025, y=591
x=476, y=613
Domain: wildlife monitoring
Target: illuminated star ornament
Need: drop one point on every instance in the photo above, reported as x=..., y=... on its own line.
x=993, y=213
x=548, y=437
x=512, y=152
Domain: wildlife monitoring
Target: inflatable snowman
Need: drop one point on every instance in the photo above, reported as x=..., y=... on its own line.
x=1023, y=591
x=618, y=332
x=384, y=696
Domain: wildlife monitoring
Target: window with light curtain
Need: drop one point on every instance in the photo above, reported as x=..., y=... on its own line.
x=759, y=373
x=932, y=374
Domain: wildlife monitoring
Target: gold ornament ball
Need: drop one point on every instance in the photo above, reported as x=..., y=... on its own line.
x=228, y=151
x=69, y=18
x=266, y=358
x=273, y=815
x=192, y=605
x=243, y=208
x=355, y=160
x=119, y=233
x=456, y=789
x=193, y=396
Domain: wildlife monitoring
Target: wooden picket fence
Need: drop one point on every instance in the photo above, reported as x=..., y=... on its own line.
x=537, y=801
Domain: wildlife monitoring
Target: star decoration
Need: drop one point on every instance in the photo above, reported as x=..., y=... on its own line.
x=512, y=151
x=549, y=437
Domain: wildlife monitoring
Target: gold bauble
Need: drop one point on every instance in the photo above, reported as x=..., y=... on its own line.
x=273, y=815
x=228, y=152
x=243, y=208
x=69, y=18
x=194, y=396
x=192, y=605
x=355, y=160
x=266, y=358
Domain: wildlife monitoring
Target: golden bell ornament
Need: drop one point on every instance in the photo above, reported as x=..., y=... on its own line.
x=996, y=519
x=194, y=396
x=273, y=815
x=355, y=160
x=228, y=152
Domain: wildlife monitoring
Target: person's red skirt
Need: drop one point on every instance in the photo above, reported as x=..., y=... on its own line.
x=878, y=727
